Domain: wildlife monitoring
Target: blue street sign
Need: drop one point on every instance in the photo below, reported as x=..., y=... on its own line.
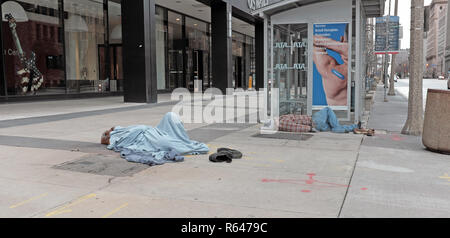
x=394, y=35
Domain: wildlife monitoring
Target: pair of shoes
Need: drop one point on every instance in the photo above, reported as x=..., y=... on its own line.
x=234, y=153
x=225, y=155
x=221, y=157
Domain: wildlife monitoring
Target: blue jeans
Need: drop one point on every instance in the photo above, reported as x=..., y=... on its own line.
x=326, y=120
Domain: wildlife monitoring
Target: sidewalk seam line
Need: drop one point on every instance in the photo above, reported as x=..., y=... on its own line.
x=351, y=179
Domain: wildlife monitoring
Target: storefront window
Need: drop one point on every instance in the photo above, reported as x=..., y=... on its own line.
x=238, y=59
x=84, y=31
x=243, y=59
x=75, y=46
x=33, y=50
x=115, y=46
x=175, y=51
x=251, y=55
x=197, y=52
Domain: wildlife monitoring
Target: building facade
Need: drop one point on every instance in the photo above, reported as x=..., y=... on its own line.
x=139, y=48
x=436, y=39
x=402, y=64
x=447, y=48
x=79, y=48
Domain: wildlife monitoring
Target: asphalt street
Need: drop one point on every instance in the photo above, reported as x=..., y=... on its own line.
x=402, y=86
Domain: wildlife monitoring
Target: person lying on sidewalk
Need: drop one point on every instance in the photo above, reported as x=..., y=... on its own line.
x=323, y=121
x=168, y=142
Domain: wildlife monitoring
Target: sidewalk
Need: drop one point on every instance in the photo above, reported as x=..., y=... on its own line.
x=53, y=166
x=400, y=178
x=21, y=110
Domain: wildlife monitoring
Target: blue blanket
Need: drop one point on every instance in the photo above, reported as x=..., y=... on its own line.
x=167, y=143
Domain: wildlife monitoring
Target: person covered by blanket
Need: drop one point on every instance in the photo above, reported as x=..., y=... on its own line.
x=322, y=121
x=165, y=143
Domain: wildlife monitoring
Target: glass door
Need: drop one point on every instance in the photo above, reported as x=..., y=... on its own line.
x=116, y=68
x=198, y=70
x=114, y=80
x=238, y=72
x=290, y=67
x=175, y=51
x=176, y=69
x=197, y=54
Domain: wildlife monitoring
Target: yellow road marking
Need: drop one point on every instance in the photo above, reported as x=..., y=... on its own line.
x=116, y=210
x=212, y=146
x=66, y=209
x=28, y=201
x=445, y=177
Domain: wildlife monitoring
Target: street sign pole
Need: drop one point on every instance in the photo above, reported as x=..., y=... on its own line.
x=386, y=53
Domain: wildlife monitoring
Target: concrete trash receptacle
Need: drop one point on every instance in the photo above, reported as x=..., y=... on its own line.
x=436, y=130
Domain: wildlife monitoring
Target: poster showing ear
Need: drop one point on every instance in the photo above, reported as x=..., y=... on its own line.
x=331, y=56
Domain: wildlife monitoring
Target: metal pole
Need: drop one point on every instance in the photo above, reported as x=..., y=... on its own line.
x=386, y=53
x=393, y=62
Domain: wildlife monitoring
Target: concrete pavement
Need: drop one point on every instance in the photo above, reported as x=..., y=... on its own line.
x=401, y=178
x=402, y=87
x=52, y=166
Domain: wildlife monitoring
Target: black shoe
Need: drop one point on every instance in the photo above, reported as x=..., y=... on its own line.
x=221, y=157
x=234, y=153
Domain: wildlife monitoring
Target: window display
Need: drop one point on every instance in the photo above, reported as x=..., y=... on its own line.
x=58, y=47
x=32, y=50
x=31, y=77
x=84, y=32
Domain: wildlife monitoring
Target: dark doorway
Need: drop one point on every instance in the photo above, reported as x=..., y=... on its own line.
x=176, y=69
x=112, y=72
x=238, y=72
x=198, y=69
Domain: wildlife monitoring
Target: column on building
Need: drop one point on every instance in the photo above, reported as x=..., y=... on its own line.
x=259, y=48
x=221, y=34
x=139, y=47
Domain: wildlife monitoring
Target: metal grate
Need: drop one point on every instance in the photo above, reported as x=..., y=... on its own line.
x=103, y=165
x=285, y=136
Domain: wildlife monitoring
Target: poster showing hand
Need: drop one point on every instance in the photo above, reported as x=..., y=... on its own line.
x=330, y=55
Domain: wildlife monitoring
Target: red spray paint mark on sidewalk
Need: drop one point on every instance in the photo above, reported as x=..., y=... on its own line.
x=311, y=179
x=397, y=138
x=312, y=182
x=393, y=137
x=309, y=182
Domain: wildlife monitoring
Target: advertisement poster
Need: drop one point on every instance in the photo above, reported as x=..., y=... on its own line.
x=330, y=55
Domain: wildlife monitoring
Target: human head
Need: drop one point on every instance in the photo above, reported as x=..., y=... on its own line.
x=105, y=140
